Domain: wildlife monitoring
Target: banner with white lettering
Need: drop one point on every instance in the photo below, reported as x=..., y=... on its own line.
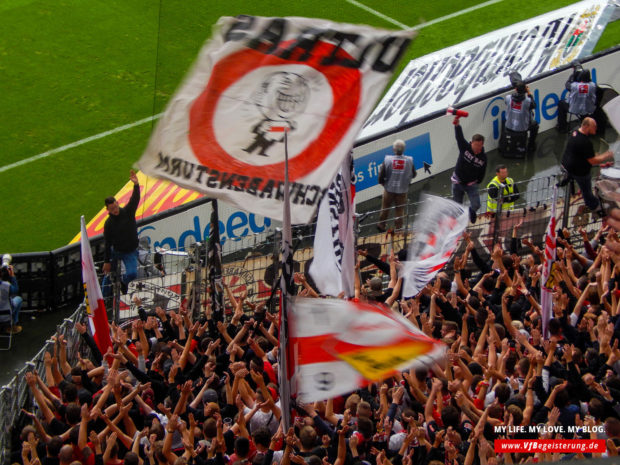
x=436, y=232
x=333, y=264
x=316, y=78
x=339, y=346
x=481, y=65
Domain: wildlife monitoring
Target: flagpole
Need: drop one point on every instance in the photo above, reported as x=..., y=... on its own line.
x=546, y=298
x=285, y=291
x=214, y=265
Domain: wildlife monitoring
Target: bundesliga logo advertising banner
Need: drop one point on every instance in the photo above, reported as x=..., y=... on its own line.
x=481, y=65
x=257, y=79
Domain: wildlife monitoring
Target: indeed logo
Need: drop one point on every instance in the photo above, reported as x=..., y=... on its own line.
x=238, y=225
x=546, y=108
x=495, y=111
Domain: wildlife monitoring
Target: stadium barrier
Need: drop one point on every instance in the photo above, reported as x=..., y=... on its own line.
x=54, y=279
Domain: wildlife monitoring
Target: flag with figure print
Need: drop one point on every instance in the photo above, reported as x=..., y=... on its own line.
x=95, y=308
x=436, y=232
x=214, y=263
x=316, y=78
x=546, y=297
x=338, y=346
x=333, y=265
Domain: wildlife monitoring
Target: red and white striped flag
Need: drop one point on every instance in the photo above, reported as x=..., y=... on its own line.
x=97, y=316
x=339, y=346
x=546, y=298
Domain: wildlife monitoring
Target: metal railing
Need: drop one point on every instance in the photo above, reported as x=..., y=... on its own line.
x=15, y=395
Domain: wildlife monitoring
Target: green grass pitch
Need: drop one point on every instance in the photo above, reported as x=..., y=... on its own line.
x=72, y=69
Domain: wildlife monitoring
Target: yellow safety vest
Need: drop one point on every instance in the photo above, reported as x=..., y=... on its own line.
x=509, y=189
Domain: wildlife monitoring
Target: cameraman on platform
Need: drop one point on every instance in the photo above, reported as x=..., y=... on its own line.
x=581, y=97
x=519, y=107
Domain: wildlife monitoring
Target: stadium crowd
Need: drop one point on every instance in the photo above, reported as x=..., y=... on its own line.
x=177, y=391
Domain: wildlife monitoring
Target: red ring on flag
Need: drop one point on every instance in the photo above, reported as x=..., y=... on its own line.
x=346, y=93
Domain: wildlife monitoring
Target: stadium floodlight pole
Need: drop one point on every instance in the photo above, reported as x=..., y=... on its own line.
x=286, y=291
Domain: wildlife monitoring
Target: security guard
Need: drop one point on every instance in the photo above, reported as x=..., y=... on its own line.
x=509, y=190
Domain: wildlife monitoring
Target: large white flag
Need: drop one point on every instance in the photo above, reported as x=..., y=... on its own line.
x=437, y=230
x=338, y=346
x=97, y=315
x=333, y=265
x=317, y=78
x=546, y=298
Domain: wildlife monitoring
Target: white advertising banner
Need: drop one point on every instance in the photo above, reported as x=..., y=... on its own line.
x=481, y=65
x=433, y=146
x=192, y=225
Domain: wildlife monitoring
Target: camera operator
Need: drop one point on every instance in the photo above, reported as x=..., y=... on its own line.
x=581, y=97
x=519, y=107
x=10, y=303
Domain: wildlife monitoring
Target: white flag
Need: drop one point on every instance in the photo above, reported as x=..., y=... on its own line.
x=316, y=78
x=437, y=230
x=333, y=265
x=339, y=346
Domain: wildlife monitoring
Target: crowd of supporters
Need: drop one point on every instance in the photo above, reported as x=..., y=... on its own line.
x=177, y=391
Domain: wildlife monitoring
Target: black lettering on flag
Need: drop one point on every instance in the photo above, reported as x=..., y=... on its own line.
x=226, y=181
x=270, y=37
x=302, y=194
x=393, y=49
x=324, y=380
x=254, y=185
x=337, y=57
x=164, y=162
x=267, y=190
x=239, y=29
x=201, y=170
x=188, y=169
x=176, y=167
x=300, y=49
x=211, y=181
x=280, y=191
x=241, y=183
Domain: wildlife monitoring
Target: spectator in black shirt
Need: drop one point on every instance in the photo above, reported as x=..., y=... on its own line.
x=471, y=165
x=579, y=157
x=121, y=237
